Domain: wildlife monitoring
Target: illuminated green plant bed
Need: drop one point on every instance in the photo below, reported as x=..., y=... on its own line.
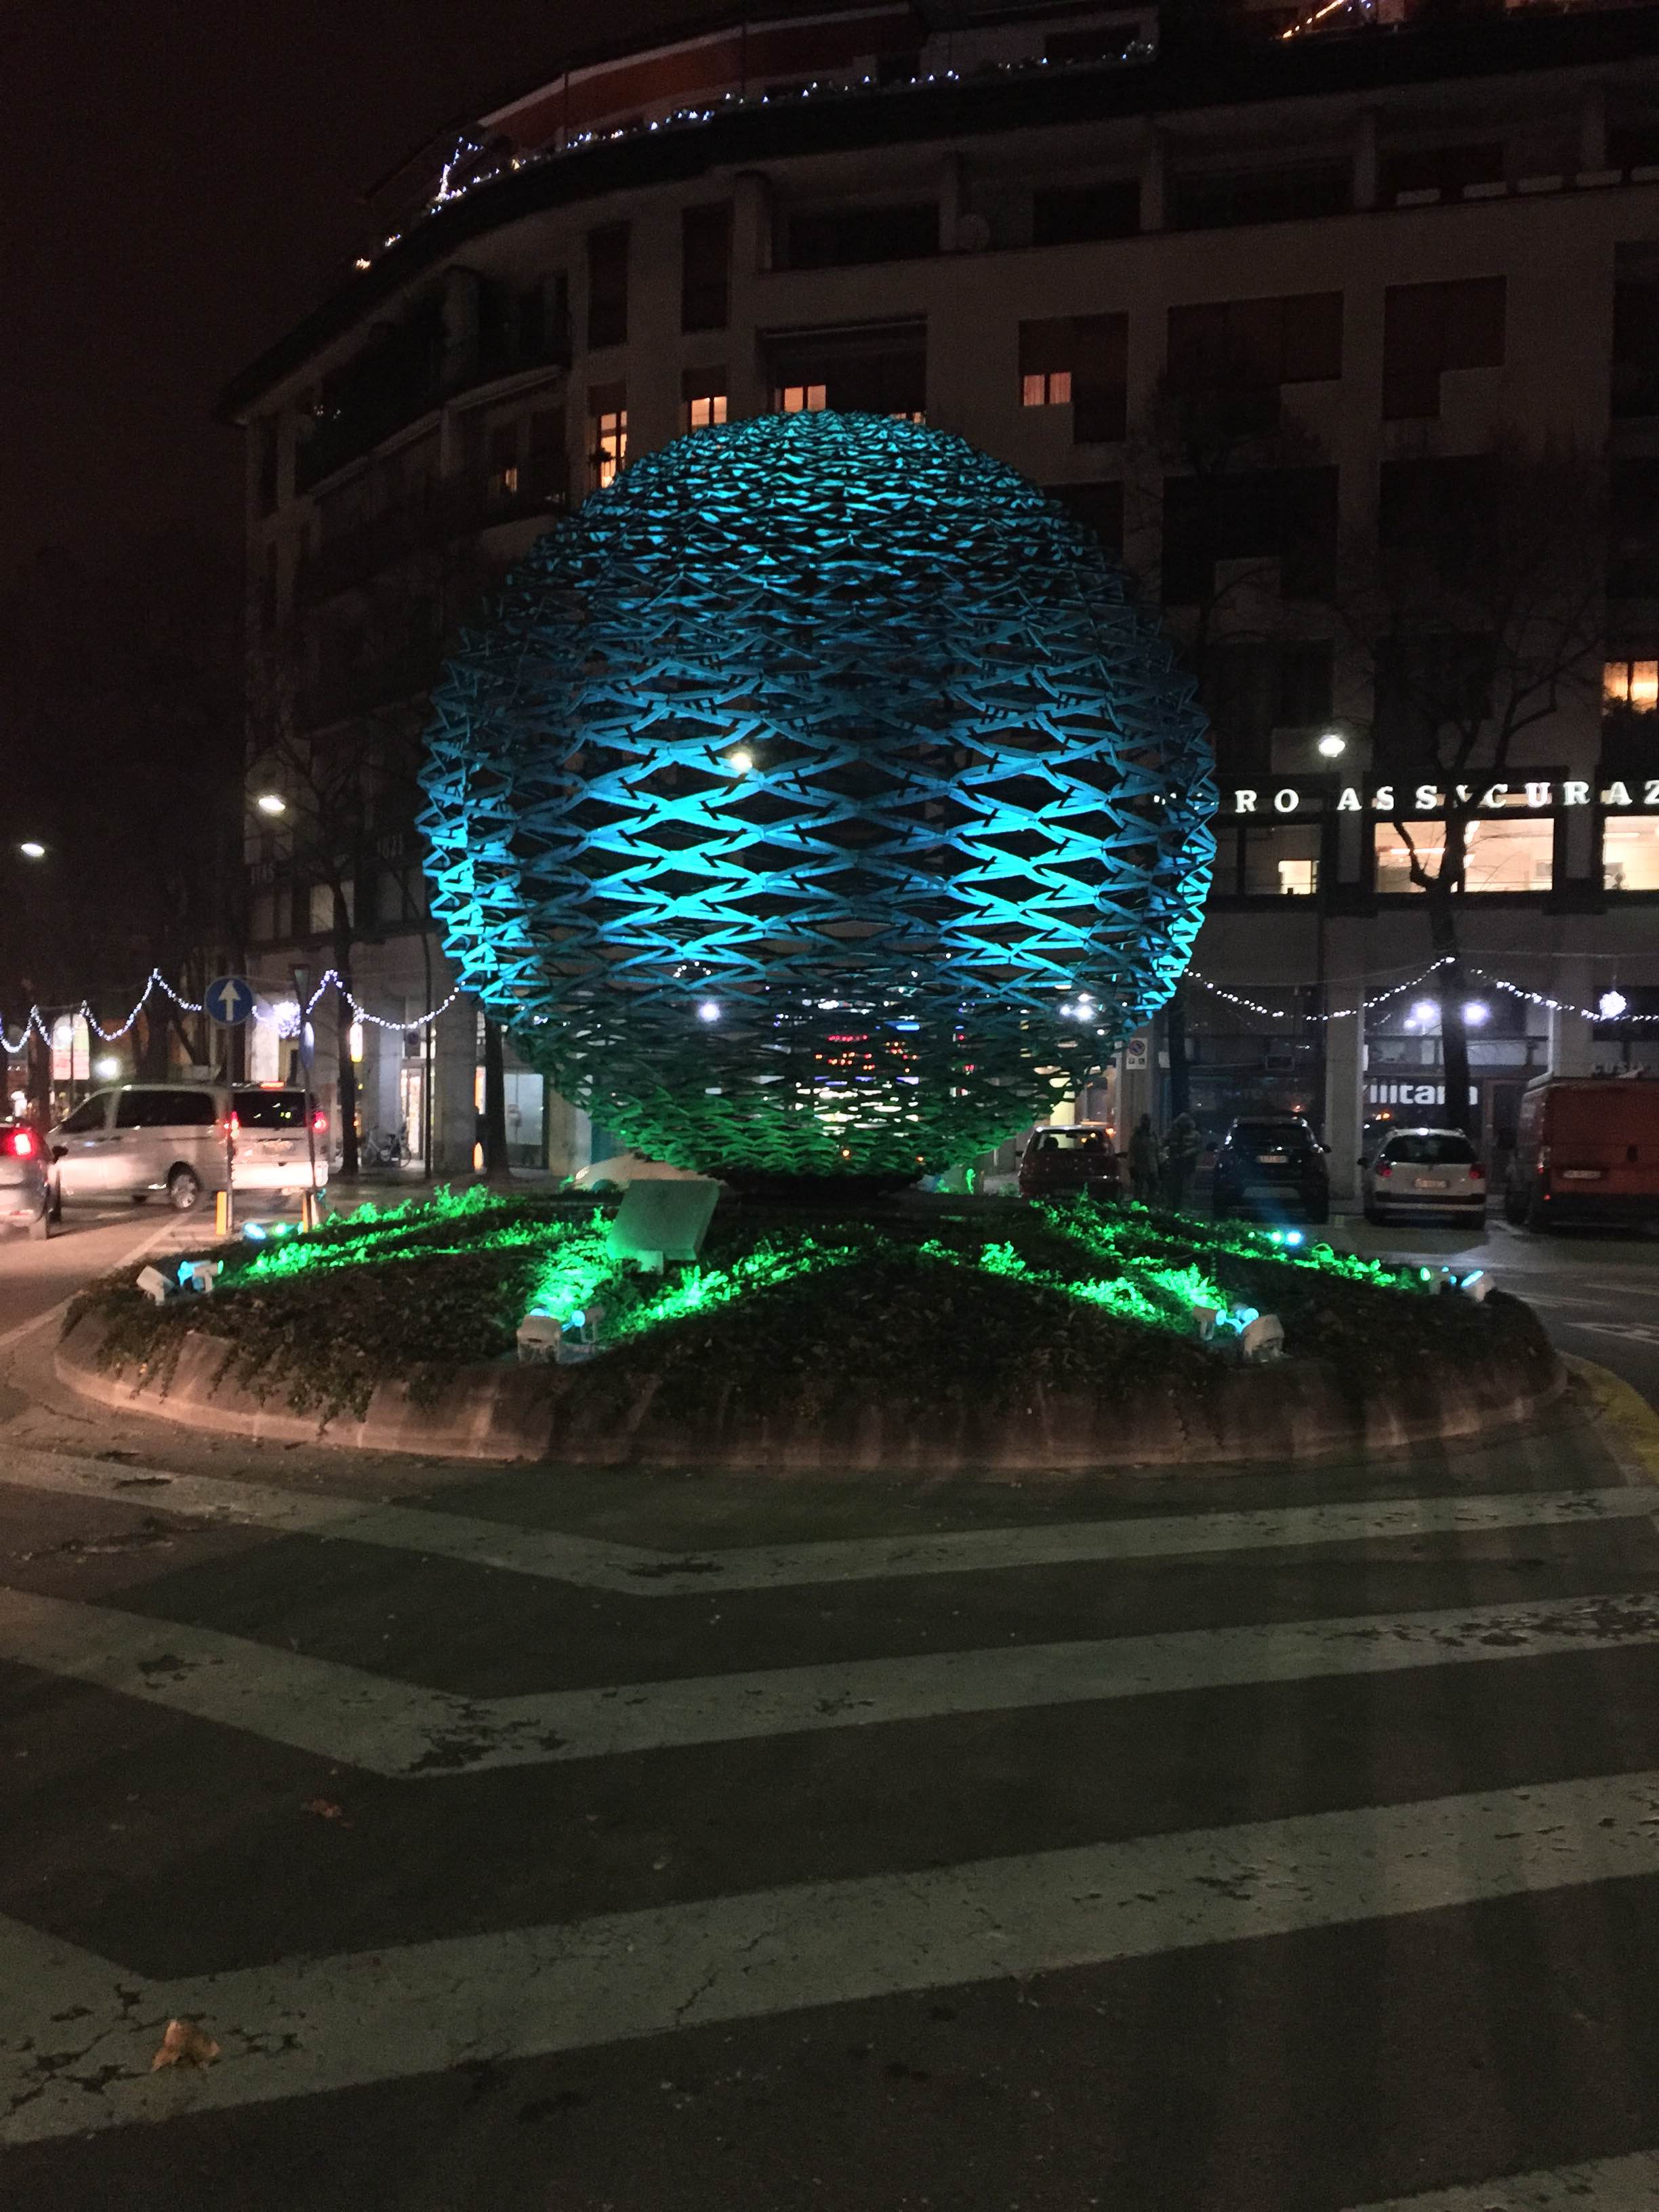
x=993, y=1307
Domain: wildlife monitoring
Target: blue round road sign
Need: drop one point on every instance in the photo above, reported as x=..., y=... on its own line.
x=230, y=1000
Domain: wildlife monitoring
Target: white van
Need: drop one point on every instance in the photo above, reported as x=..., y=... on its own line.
x=142, y=1137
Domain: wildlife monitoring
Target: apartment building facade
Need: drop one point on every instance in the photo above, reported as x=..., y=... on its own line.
x=1415, y=249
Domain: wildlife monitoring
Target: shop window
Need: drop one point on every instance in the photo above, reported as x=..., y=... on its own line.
x=1630, y=853
x=1499, y=856
x=1428, y=328
x=848, y=238
x=702, y=399
x=1279, y=863
x=607, y=432
x=705, y=268
x=1073, y=214
x=607, y=284
x=1220, y=200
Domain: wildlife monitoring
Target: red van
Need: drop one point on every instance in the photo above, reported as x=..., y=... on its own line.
x=1586, y=1150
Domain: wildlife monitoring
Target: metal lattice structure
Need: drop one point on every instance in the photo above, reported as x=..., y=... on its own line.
x=815, y=799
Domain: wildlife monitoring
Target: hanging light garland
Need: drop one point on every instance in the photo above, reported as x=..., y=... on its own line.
x=1611, y=1006
x=157, y=982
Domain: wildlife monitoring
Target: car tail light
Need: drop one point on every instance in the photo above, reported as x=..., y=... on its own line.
x=20, y=1144
x=1477, y=1173
x=319, y=1121
x=1383, y=1170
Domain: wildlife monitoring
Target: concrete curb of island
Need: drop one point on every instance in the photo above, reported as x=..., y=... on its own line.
x=1298, y=1411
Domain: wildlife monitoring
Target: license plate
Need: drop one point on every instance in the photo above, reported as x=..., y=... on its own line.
x=1272, y=1159
x=1433, y=1182
x=1581, y=1175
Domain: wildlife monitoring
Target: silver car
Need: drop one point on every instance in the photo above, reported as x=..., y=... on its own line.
x=26, y=1199
x=143, y=1138
x=1429, y=1172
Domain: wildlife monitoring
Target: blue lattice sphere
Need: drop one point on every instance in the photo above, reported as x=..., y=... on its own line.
x=814, y=800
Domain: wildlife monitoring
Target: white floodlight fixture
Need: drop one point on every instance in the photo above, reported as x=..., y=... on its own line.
x=1424, y=1011
x=1612, y=1004
x=272, y=803
x=107, y=1068
x=1475, y=1012
x=32, y=849
x=707, y=1011
x=1332, y=746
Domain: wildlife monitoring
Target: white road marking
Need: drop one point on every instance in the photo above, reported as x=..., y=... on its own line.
x=310, y=2025
x=350, y=1717
x=638, y=1571
x=1602, y=2185
x=23, y=1329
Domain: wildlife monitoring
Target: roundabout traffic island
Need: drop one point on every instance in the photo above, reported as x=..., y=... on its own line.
x=924, y=1337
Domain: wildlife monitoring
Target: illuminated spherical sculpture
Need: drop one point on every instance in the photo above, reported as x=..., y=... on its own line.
x=815, y=801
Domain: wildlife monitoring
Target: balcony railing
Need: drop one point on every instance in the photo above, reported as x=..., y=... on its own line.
x=447, y=511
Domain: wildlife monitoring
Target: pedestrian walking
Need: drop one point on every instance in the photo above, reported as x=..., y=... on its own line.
x=1145, y=1159
x=1181, y=1153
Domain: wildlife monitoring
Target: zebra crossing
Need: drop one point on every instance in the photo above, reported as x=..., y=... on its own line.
x=1505, y=1686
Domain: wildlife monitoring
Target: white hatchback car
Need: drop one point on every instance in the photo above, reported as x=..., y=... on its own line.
x=1426, y=1172
x=172, y=1137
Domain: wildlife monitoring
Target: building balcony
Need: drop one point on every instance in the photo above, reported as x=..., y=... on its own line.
x=449, y=511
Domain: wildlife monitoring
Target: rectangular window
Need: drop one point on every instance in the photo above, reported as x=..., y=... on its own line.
x=1636, y=347
x=1079, y=361
x=847, y=238
x=607, y=432
x=798, y=398
x=1428, y=328
x=1429, y=497
x=1287, y=515
x=1098, y=506
x=1499, y=856
x=705, y=268
x=1281, y=863
x=1294, y=339
x=873, y=369
x=502, y=464
x=1212, y=201
x=1442, y=169
x=1073, y=214
x=607, y=284
x=1630, y=853
x=702, y=399
x=544, y=469
x=1633, y=683
x=1252, y=687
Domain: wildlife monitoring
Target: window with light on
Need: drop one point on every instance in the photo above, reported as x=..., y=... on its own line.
x=1630, y=853
x=1499, y=856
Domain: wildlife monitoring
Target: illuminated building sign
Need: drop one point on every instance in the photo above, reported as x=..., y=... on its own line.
x=1538, y=794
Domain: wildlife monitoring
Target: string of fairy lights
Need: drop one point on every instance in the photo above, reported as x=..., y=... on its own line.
x=1612, y=1006
x=288, y=1014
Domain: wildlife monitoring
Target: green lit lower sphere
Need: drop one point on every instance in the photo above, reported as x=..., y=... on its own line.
x=814, y=801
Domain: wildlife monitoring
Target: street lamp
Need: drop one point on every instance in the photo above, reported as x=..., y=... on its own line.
x=32, y=849
x=1332, y=746
x=272, y=803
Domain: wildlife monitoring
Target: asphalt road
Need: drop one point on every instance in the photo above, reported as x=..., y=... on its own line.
x=1287, y=1842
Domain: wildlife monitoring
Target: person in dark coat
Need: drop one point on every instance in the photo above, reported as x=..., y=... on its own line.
x=1145, y=1159
x=1181, y=1153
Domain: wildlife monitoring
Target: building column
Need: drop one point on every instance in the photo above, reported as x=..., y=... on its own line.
x=454, y=1113
x=1344, y=1054
x=1571, y=1051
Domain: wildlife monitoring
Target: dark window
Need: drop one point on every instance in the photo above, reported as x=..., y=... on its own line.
x=1428, y=328
x=1429, y=500
x=91, y=1114
x=1636, y=348
x=1633, y=146
x=1633, y=554
x=1098, y=506
x=270, y=1110
x=1212, y=201
x=1252, y=687
x=544, y=469
x=607, y=284
x=1430, y=1151
x=1426, y=684
x=1284, y=514
x=843, y=237
x=873, y=371
x=1293, y=340
x=1070, y=215
x=705, y=268
x=164, y=1109
x=1442, y=169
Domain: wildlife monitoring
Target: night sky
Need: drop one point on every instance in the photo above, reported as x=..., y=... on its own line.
x=182, y=180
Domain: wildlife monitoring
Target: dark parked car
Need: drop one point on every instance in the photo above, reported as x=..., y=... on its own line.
x=1264, y=1165
x=1060, y=1163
